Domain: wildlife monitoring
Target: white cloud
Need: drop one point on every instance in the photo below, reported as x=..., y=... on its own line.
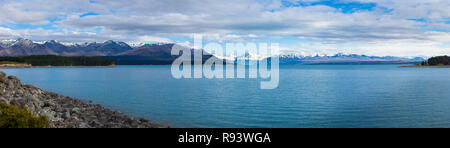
x=153, y=39
x=385, y=29
x=6, y=33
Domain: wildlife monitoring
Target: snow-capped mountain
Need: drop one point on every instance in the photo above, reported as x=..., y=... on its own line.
x=7, y=43
x=345, y=59
x=24, y=47
x=21, y=47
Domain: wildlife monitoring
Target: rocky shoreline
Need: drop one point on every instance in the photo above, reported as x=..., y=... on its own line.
x=63, y=111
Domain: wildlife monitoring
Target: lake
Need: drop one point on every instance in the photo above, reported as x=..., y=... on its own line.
x=307, y=96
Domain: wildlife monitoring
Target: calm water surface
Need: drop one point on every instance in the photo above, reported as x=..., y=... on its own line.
x=308, y=96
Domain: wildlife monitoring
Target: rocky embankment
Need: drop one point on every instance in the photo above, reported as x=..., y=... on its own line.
x=65, y=112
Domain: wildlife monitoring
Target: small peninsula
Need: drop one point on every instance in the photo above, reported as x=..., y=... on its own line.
x=54, y=61
x=434, y=62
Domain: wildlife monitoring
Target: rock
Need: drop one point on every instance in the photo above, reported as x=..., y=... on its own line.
x=117, y=112
x=2, y=74
x=13, y=78
x=50, y=103
x=4, y=100
x=17, y=102
x=10, y=84
x=49, y=113
x=66, y=115
x=58, y=108
x=83, y=125
x=156, y=125
x=76, y=110
x=29, y=102
x=144, y=120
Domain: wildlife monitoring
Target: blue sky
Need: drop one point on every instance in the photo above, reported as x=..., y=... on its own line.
x=373, y=27
x=343, y=6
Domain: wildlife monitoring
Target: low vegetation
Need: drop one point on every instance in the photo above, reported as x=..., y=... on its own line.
x=52, y=60
x=15, y=117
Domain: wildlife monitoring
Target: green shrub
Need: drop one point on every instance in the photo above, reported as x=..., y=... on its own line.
x=14, y=117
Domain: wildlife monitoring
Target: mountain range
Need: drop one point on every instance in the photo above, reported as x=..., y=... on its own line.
x=347, y=59
x=160, y=54
x=25, y=47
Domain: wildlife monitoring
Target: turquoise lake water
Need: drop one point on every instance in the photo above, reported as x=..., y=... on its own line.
x=307, y=96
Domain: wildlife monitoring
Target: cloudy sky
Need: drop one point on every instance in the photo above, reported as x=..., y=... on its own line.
x=372, y=27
